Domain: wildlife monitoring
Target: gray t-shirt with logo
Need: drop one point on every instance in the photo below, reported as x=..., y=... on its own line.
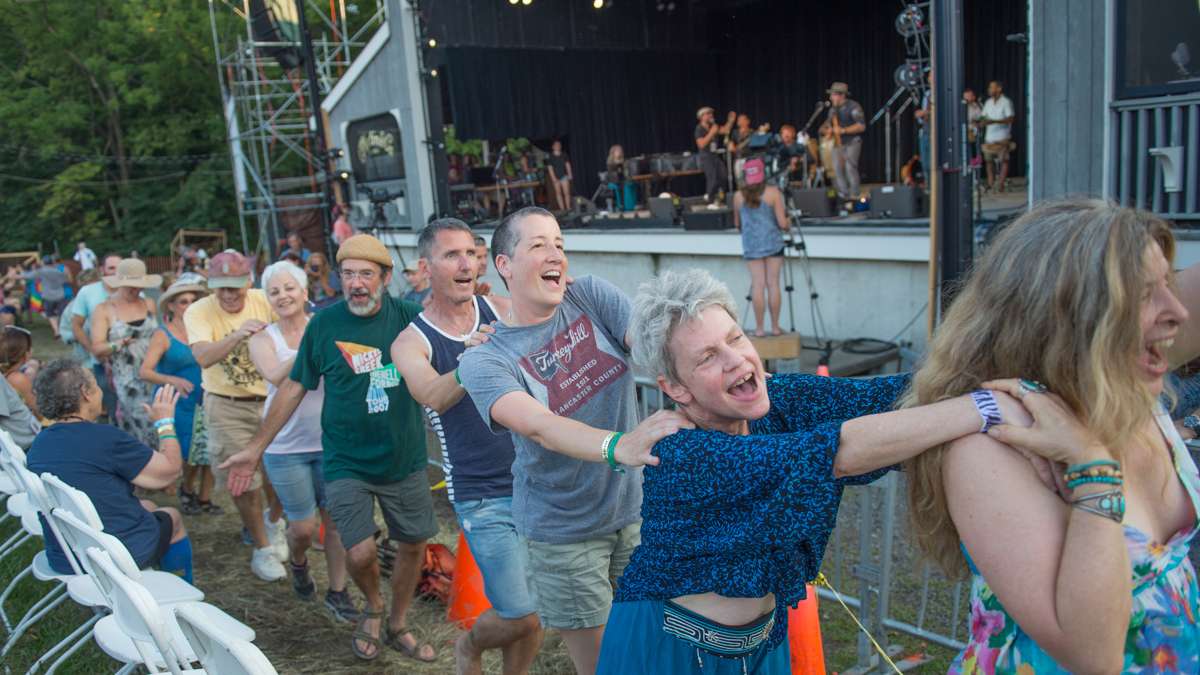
x=577, y=366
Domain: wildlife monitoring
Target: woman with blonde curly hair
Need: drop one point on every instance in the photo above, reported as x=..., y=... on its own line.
x=1076, y=297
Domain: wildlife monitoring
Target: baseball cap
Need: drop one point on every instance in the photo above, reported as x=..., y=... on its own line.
x=753, y=171
x=228, y=269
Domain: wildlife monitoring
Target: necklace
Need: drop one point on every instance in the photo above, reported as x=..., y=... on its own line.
x=67, y=418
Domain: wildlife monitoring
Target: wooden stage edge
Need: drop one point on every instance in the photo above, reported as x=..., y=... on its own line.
x=841, y=362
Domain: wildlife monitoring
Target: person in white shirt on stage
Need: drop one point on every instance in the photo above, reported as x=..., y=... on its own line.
x=997, y=122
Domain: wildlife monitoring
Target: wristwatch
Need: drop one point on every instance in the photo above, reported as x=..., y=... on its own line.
x=1192, y=424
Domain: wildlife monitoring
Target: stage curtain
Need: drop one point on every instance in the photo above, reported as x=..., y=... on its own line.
x=645, y=100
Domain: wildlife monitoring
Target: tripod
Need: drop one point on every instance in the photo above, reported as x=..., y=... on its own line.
x=379, y=200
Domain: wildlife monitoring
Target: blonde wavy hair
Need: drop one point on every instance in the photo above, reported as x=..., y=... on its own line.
x=1056, y=298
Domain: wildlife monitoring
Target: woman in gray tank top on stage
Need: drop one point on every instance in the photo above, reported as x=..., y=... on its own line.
x=758, y=212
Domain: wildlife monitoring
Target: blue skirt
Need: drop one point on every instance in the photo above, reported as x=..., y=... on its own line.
x=636, y=641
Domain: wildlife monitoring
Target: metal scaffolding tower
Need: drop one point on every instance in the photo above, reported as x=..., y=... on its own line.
x=268, y=115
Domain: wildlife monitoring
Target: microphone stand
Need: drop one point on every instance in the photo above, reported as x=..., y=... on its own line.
x=886, y=109
x=822, y=105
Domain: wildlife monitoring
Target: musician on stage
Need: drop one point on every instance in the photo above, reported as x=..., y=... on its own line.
x=707, y=144
x=847, y=122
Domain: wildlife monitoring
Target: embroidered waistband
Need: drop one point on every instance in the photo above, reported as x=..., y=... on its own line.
x=725, y=641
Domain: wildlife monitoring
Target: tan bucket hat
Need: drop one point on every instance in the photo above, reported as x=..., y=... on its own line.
x=131, y=273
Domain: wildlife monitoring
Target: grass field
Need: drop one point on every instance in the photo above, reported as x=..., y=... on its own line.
x=301, y=637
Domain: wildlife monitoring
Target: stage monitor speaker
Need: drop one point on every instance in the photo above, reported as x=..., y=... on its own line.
x=692, y=202
x=896, y=201
x=662, y=207
x=812, y=202
x=708, y=219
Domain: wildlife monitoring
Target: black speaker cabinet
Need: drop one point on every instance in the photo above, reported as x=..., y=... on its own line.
x=896, y=201
x=662, y=207
x=708, y=219
x=812, y=202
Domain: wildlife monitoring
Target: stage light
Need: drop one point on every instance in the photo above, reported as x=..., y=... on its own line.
x=433, y=72
x=343, y=176
x=514, y=2
x=597, y=4
x=911, y=21
x=432, y=43
x=527, y=2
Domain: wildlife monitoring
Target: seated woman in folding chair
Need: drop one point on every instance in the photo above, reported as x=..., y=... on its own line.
x=106, y=463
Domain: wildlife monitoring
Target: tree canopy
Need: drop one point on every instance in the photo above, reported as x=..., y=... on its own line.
x=110, y=125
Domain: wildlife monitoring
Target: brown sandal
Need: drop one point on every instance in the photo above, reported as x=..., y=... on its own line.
x=392, y=640
x=361, y=635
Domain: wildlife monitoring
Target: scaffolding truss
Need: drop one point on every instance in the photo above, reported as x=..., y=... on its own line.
x=268, y=115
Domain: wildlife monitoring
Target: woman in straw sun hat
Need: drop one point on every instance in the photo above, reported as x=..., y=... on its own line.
x=169, y=360
x=121, y=331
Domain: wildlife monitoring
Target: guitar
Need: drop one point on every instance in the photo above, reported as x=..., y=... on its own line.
x=836, y=127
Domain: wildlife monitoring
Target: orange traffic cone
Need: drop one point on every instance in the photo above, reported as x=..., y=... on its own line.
x=804, y=637
x=823, y=370
x=467, y=599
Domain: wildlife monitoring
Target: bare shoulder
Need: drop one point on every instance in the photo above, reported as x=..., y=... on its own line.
x=972, y=457
x=501, y=304
x=409, y=343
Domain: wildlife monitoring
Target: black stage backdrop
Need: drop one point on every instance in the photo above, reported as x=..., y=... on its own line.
x=772, y=59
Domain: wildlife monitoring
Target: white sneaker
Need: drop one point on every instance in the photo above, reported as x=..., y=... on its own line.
x=265, y=565
x=277, y=535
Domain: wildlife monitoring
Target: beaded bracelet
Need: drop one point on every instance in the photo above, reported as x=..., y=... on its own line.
x=1092, y=480
x=164, y=422
x=989, y=409
x=1108, y=504
x=1099, y=467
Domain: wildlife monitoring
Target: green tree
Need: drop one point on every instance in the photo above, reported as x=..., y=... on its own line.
x=98, y=95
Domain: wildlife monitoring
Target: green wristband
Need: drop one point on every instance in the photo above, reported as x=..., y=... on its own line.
x=457, y=378
x=611, y=452
x=163, y=438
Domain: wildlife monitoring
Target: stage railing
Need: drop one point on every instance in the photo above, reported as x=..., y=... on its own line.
x=874, y=564
x=1154, y=143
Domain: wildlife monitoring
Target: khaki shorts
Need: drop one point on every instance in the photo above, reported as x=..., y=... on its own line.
x=573, y=583
x=231, y=425
x=997, y=151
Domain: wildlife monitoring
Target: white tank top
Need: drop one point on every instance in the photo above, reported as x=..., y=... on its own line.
x=301, y=433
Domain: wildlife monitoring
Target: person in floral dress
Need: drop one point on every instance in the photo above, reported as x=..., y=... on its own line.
x=1079, y=298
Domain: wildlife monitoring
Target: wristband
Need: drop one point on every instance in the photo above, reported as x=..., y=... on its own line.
x=166, y=421
x=989, y=409
x=457, y=378
x=112, y=346
x=169, y=429
x=609, y=451
x=163, y=438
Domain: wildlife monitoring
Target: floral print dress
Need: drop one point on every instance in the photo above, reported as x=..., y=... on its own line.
x=132, y=390
x=1164, y=631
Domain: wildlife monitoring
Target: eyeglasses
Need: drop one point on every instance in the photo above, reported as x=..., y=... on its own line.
x=366, y=275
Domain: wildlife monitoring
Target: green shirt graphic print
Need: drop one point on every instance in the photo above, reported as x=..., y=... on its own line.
x=371, y=428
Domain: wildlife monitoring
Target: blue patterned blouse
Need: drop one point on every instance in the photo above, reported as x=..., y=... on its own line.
x=743, y=516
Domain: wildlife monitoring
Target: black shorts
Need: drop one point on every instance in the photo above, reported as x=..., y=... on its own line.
x=165, y=529
x=53, y=308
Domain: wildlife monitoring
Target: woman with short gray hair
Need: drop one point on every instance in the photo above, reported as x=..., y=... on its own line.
x=738, y=511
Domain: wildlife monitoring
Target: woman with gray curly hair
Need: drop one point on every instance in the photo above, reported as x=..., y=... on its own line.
x=106, y=463
x=738, y=511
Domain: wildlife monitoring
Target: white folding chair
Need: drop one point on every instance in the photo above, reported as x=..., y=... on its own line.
x=42, y=571
x=215, y=648
x=17, y=505
x=137, y=616
x=166, y=587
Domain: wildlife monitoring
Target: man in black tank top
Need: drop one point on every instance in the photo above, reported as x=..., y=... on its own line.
x=477, y=463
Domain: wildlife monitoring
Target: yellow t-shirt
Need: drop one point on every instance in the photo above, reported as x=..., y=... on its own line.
x=234, y=375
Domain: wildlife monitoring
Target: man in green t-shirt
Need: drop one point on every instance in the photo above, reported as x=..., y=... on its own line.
x=372, y=435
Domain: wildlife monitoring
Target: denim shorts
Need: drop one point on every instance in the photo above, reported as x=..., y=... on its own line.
x=500, y=553
x=299, y=480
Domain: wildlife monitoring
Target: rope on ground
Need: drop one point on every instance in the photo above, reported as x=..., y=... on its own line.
x=822, y=581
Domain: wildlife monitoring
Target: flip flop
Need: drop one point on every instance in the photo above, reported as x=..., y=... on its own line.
x=392, y=640
x=361, y=635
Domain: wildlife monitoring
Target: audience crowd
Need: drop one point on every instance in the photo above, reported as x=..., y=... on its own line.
x=673, y=543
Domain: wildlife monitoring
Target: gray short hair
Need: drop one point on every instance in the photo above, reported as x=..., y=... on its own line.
x=663, y=303
x=287, y=267
x=59, y=386
x=430, y=233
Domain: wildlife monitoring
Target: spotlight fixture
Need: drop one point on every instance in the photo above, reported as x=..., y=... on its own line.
x=911, y=21
x=433, y=72
x=343, y=176
x=527, y=2
x=514, y=2
x=432, y=43
x=597, y=4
